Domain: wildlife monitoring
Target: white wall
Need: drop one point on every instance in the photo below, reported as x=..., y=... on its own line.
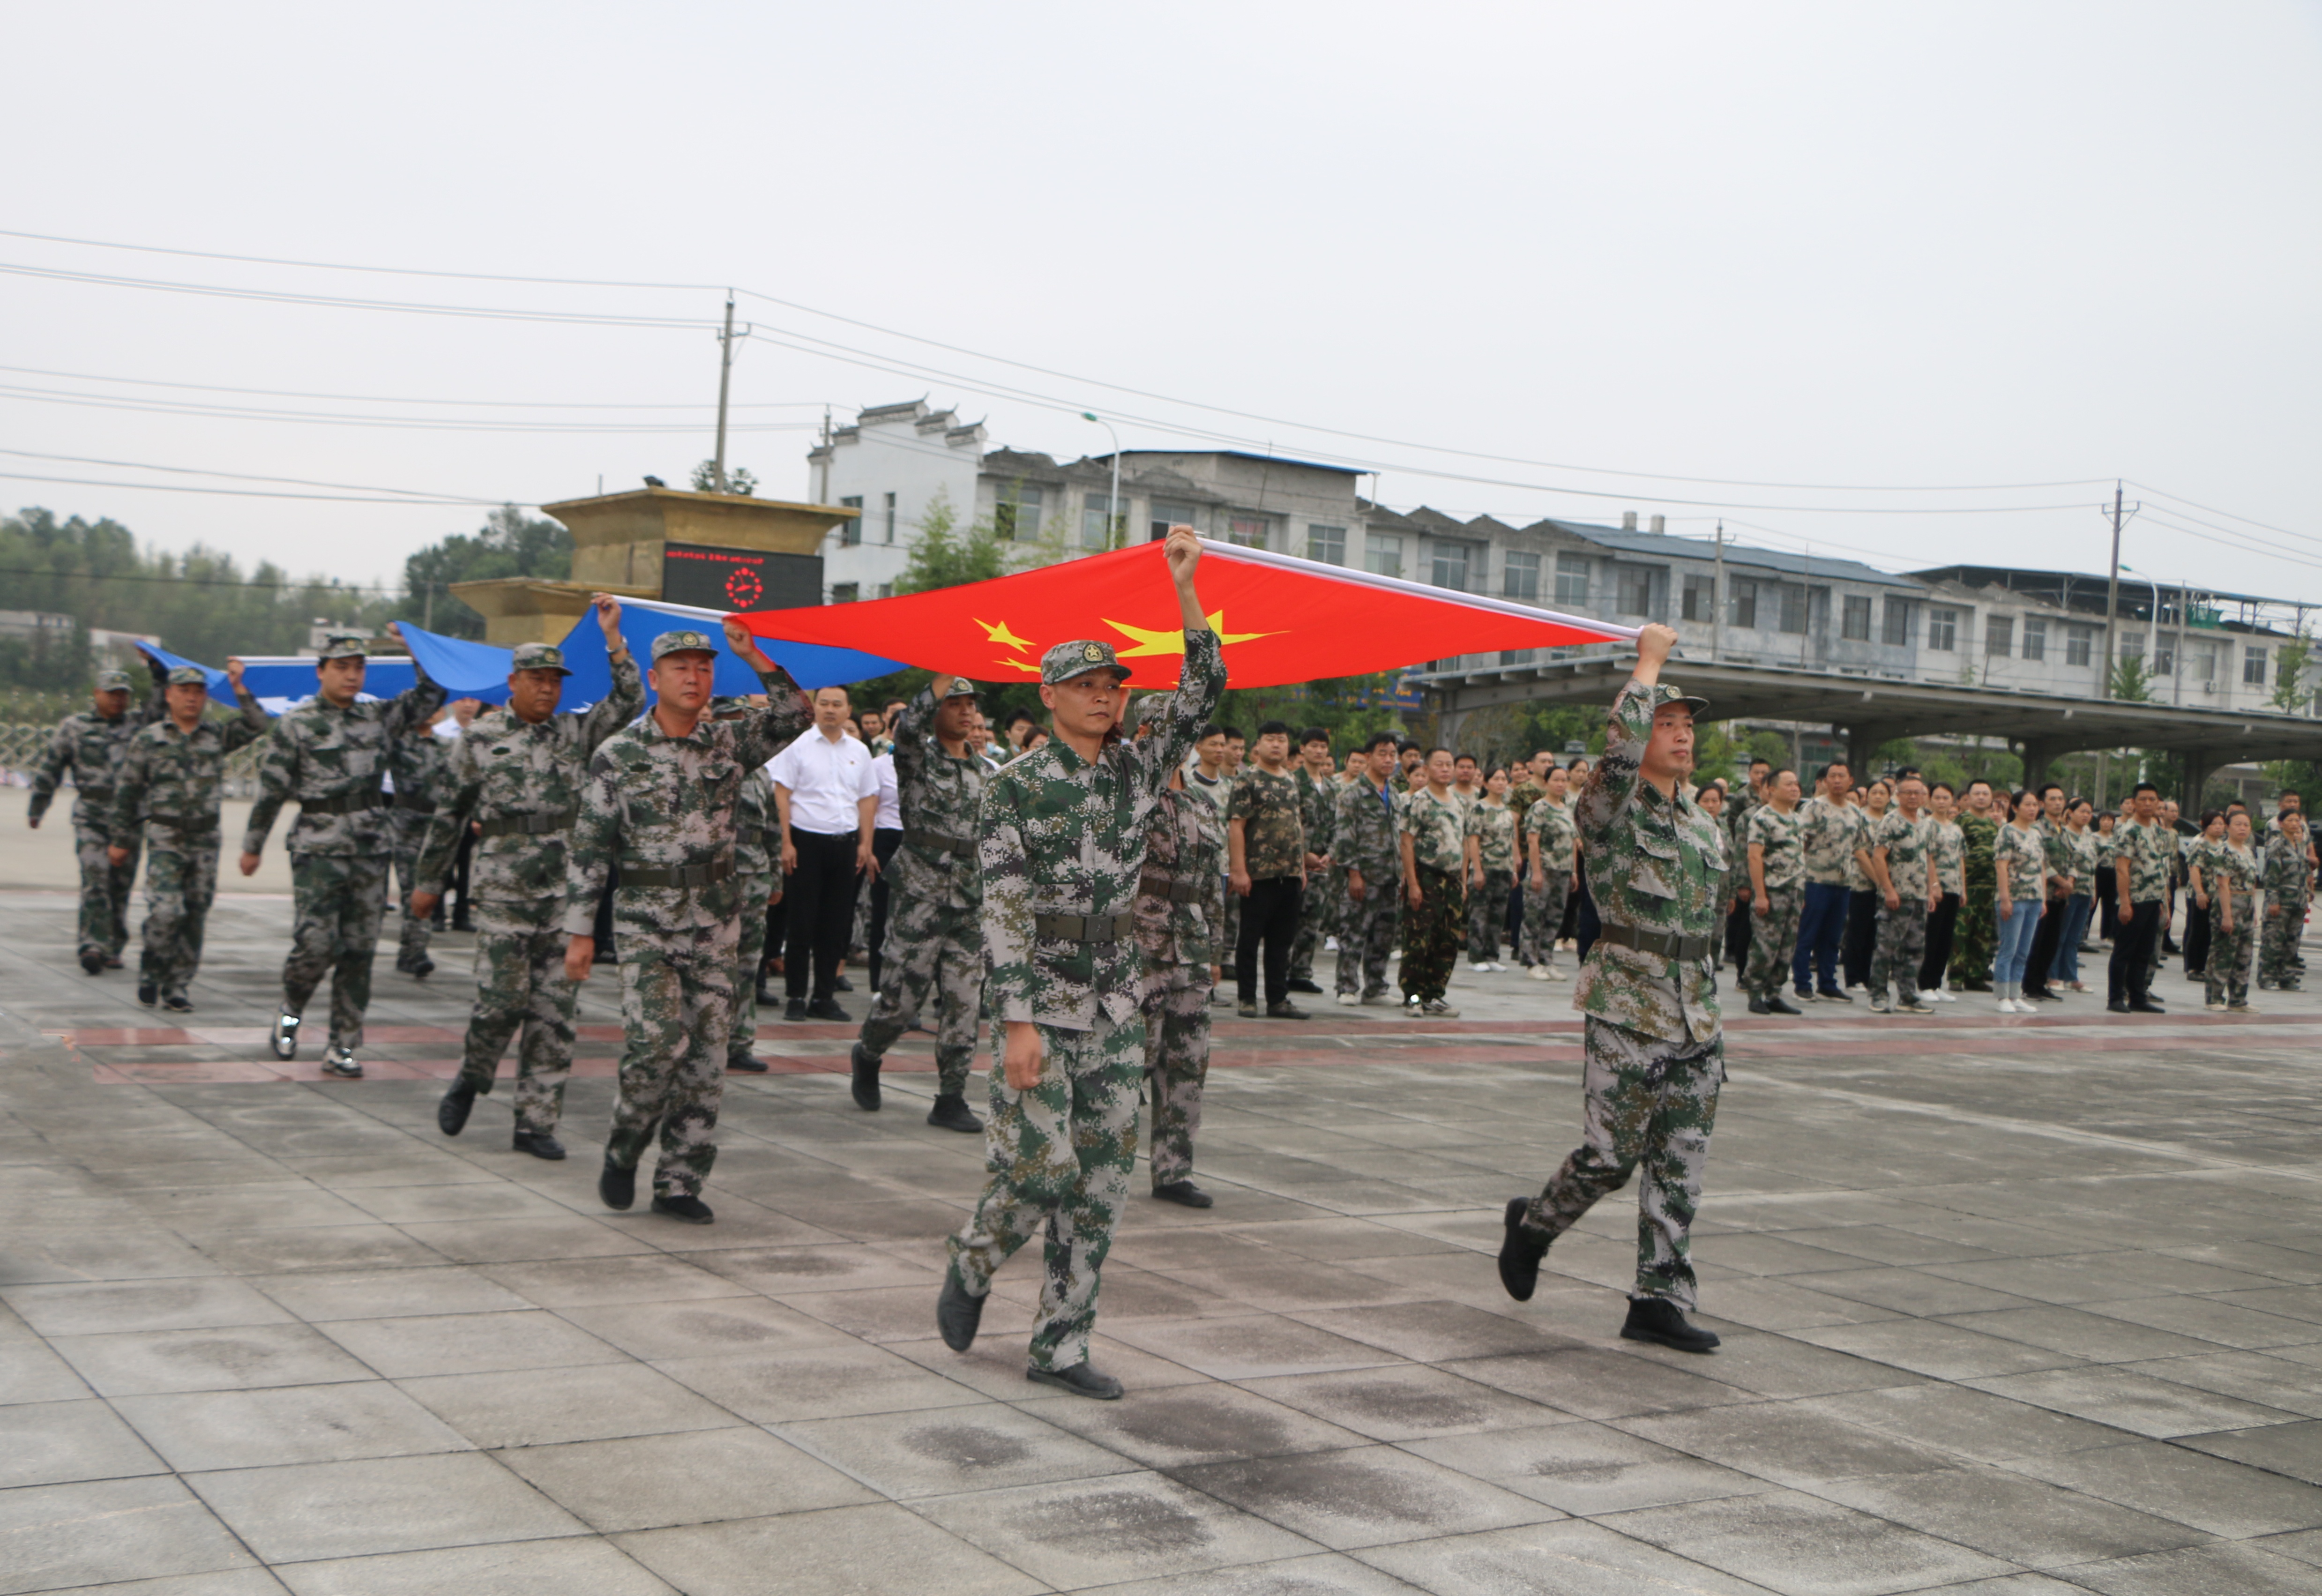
x=891, y=454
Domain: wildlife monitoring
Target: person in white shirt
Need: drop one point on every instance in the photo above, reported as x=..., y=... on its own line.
x=826, y=797
x=886, y=837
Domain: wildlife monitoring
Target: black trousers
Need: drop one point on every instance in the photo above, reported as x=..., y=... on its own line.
x=2129, y=973
x=1941, y=927
x=461, y=919
x=820, y=897
x=2108, y=903
x=2045, y=942
x=1860, y=940
x=1269, y=919
x=1737, y=937
x=2197, y=941
x=884, y=841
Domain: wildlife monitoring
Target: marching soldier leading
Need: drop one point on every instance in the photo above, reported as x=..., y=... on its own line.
x=517, y=776
x=1654, y=1046
x=90, y=744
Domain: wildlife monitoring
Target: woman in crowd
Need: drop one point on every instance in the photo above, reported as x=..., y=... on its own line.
x=1950, y=865
x=2019, y=860
x=2079, y=852
x=2107, y=878
x=2231, y=871
x=1862, y=897
x=1491, y=848
x=2200, y=881
x=1568, y=928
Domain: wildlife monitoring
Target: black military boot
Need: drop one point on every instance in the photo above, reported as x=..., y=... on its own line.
x=746, y=1063
x=864, y=1084
x=958, y=1313
x=1185, y=1193
x=1658, y=1319
x=1758, y=1004
x=451, y=1113
x=1521, y=1251
x=692, y=1209
x=148, y=993
x=1777, y=1004
x=540, y=1143
x=618, y=1187
x=1082, y=1379
x=92, y=960
x=951, y=1112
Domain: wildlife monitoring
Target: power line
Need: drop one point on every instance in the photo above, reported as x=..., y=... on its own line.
x=480, y=277
x=135, y=465
x=336, y=498
x=2229, y=515
x=300, y=585
x=274, y=393
x=140, y=406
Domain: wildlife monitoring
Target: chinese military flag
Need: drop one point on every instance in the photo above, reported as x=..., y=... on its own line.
x=1282, y=620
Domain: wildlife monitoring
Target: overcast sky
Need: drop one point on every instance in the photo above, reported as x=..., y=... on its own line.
x=1875, y=247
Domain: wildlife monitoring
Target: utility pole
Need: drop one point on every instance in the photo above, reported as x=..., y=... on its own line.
x=1717, y=600
x=2112, y=597
x=725, y=383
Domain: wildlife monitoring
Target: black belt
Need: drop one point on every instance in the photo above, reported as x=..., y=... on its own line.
x=936, y=842
x=184, y=822
x=1163, y=886
x=528, y=825
x=346, y=803
x=1658, y=943
x=684, y=875
x=94, y=792
x=414, y=802
x=1083, y=927
x=749, y=836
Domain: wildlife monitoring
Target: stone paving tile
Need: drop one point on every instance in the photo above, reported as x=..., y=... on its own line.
x=1585, y=1468
x=232, y=1430
x=535, y=1408
x=2131, y=1401
x=837, y=1551
x=101, y=1531
x=143, y=1305
x=699, y=1477
x=2027, y=1521
x=1355, y=1497
x=1786, y=1443
x=59, y=1443
x=386, y=1293
x=905, y=1456
x=469, y=1342
x=1077, y=1533
x=2292, y=1449
x=1808, y=1546
x=307, y=1511
x=519, y=1568
x=2174, y=1482
x=2220, y=1568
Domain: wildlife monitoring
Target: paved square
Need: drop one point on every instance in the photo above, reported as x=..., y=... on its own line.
x=2009, y=1305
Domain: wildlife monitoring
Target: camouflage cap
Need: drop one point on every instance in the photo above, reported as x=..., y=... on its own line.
x=188, y=676
x=1151, y=709
x=961, y=687
x=112, y=681
x=1665, y=692
x=345, y=645
x=683, y=643
x=1068, y=659
x=538, y=656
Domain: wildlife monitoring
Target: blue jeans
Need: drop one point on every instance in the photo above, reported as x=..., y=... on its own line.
x=2017, y=923
x=1821, y=923
x=2077, y=910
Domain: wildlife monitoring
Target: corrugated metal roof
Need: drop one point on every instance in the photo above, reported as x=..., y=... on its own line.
x=1667, y=547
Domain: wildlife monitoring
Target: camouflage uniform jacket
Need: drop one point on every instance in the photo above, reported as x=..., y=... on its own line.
x=1059, y=834
x=2025, y=854
x=1910, y=850
x=414, y=763
x=1438, y=830
x=92, y=747
x=659, y=802
x=171, y=777
x=1364, y=834
x=1184, y=851
x=1318, y=809
x=503, y=772
x=2288, y=878
x=2076, y=858
x=2239, y=866
x=319, y=753
x=1654, y=865
x=1549, y=825
x=1523, y=796
x=1828, y=834
x=2150, y=850
x=939, y=796
x=1274, y=836
x=1777, y=834
x=1978, y=834
x=1493, y=827
x=756, y=852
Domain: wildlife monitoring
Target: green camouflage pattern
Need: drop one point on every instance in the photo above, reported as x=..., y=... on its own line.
x=2074, y=854
x=1274, y=836
x=1487, y=914
x=337, y=901
x=1556, y=839
x=940, y=795
x=1493, y=828
x=1177, y=1004
x=168, y=786
x=91, y=747
x=1651, y=1103
x=1057, y=834
x=2288, y=887
x=1432, y=931
x=1948, y=851
x=1324, y=898
x=2025, y=854
x=1654, y=863
x=1438, y=829
x=319, y=752
x=1828, y=835
x=2231, y=940
x=1363, y=834
x=1363, y=840
x=2151, y=852
x=1180, y=945
x=180, y=886
x=1773, y=934
x=1367, y=929
x=1899, y=947
x=1909, y=847
x=415, y=763
x=758, y=866
x=1975, y=935
x=1776, y=833
x=521, y=987
x=676, y=1004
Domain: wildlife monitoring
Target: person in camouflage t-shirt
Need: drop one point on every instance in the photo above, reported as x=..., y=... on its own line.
x=2288, y=887
x=2144, y=852
x=1654, y=1046
x=1901, y=867
x=1977, y=944
x=1326, y=882
x=1433, y=826
x=90, y=744
x=2234, y=873
x=1776, y=867
x=1366, y=847
x=1062, y=838
x=1180, y=922
x=1491, y=862
x=1266, y=839
x=1551, y=853
x=1831, y=827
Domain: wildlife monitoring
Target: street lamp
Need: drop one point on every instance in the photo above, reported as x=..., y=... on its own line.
x=1112, y=505
x=2152, y=618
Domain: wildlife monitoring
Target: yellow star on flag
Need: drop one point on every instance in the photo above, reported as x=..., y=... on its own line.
x=1019, y=665
x=1002, y=635
x=1150, y=642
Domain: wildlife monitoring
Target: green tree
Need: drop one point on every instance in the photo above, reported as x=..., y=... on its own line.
x=2290, y=694
x=944, y=556
x=510, y=543
x=738, y=480
x=2132, y=682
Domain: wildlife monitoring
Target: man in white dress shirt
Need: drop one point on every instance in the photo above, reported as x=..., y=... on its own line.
x=827, y=796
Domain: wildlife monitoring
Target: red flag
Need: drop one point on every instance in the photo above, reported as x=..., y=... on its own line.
x=1283, y=619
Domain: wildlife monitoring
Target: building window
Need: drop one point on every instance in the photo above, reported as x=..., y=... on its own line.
x=1248, y=531
x=1897, y=624
x=2035, y=638
x=2254, y=666
x=1699, y=600
x=1633, y=591
x=1943, y=630
x=850, y=531
x=2164, y=657
x=1572, y=581
x=1096, y=527
x=2205, y=663
x=2080, y=645
x=1999, y=635
x=1383, y=553
x=890, y=517
x=1794, y=609
x=846, y=592
x=1520, y=579
x=886, y=589
x=1448, y=568
x=2132, y=646
x=1743, y=608
x=1164, y=516
x=1854, y=620
x=1516, y=656
x=1017, y=515
x=1326, y=543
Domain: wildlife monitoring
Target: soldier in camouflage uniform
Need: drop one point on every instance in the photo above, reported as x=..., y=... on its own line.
x=1062, y=839
x=328, y=754
x=1318, y=811
x=1364, y=846
x=935, y=935
x=2233, y=873
x=1551, y=844
x=168, y=783
x=2289, y=886
x=1976, y=942
x=1181, y=915
x=660, y=797
x=1901, y=865
x=1654, y=1046
x=2144, y=852
x=1491, y=864
x=1776, y=865
x=758, y=866
x=90, y=744
x=414, y=763
x=516, y=776
x=1829, y=829
x=1433, y=831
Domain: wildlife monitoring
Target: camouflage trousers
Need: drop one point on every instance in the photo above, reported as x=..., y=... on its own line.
x=1059, y=1157
x=1544, y=910
x=337, y=901
x=104, y=885
x=749, y=952
x=676, y=1004
x=1977, y=943
x=1902, y=943
x=1366, y=928
x=1177, y=1004
x=1773, y=935
x=180, y=884
x=1488, y=914
x=2277, y=959
x=2229, y=973
x=410, y=836
x=1653, y=1103
x=935, y=956
x=520, y=982
x=1319, y=910
x=1432, y=934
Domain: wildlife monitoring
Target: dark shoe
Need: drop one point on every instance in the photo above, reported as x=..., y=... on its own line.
x=747, y=1065
x=2118, y=1008
x=1657, y=1319
x=795, y=1009
x=951, y=1112
x=957, y=1314
x=1185, y=1193
x=112, y=961
x=617, y=1188
x=826, y=1009
x=1833, y=995
x=1758, y=1004
x=460, y=922
x=93, y=961
x=1522, y=1251
x=284, y=1041
x=421, y=968
x=1081, y=1379
x=451, y=1113
x=178, y=1003
x=692, y=1209
x=1777, y=1004
x=1286, y=1009
x=1803, y=994
x=148, y=993
x=767, y=997
x=339, y=1063
x=1297, y=985
x=540, y=1143
x=866, y=1083
x=1247, y=1011
x=839, y=983
x=2144, y=1006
